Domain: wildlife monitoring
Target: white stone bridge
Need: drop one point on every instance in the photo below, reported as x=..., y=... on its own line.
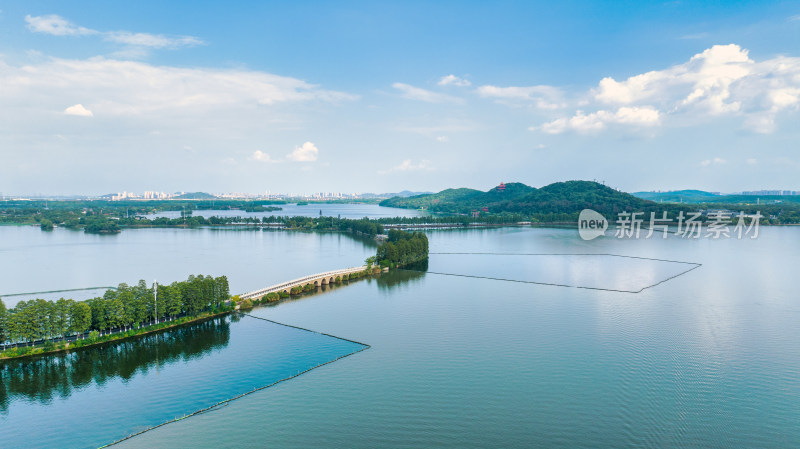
x=316, y=280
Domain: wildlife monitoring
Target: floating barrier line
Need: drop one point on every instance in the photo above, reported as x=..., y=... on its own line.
x=255, y=389
x=580, y=254
x=696, y=265
x=57, y=291
x=307, y=330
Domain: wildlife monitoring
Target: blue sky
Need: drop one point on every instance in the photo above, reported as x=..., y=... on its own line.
x=99, y=97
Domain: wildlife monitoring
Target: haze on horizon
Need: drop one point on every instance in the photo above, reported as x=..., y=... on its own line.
x=383, y=97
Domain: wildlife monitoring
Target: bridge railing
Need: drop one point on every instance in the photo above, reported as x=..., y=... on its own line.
x=303, y=280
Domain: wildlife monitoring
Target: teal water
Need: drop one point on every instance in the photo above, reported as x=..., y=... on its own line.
x=705, y=359
x=35, y=261
x=90, y=398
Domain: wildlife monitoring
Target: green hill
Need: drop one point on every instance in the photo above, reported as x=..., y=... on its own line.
x=195, y=196
x=678, y=196
x=557, y=198
x=699, y=196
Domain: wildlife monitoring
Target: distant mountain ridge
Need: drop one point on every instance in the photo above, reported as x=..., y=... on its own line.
x=195, y=196
x=558, y=198
x=677, y=196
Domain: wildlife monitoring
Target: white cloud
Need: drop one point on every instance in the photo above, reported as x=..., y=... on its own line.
x=417, y=93
x=442, y=139
x=545, y=97
x=705, y=81
x=795, y=18
x=595, y=121
x=151, y=40
x=715, y=161
x=407, y=166
x=721, y=81
x=128, y=88
x=58, y=26
x=453, y=80
x=261, y=156
x=308, y=152
x=78, y=110
x=752, y=161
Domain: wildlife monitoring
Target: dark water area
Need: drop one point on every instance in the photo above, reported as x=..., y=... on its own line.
x=94, y=396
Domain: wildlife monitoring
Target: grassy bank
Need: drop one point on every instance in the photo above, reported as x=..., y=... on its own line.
x=95, y=338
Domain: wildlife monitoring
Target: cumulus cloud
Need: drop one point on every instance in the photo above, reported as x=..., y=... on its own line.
x=261, y=156
x=58, y=26
x=407, y=166
x=454, y=81
x=595, y=121
x=308, y=152
x=715, y=161
x=544, y=97
x=78, y=110
x=442, y=139
x=417, y=93
x=721, y=81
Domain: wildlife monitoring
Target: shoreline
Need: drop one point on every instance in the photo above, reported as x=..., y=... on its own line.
x=164, y=326
x=118, y=337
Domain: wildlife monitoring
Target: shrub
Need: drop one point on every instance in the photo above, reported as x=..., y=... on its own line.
x=308, y=287
x=296, y=290
x=338, y=280
x=246, y=304
x=283, y=294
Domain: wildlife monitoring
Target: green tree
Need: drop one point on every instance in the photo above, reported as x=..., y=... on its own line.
x=123, y=308
x=142, y=306
x=221, y=291
x=80, y=317
x=46, y=225
x=174, y=300
x=3, y=324
x=61, y=317
x=115, y=307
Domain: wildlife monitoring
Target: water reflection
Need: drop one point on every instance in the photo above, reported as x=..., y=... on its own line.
x=409, y=275
x=44, y=378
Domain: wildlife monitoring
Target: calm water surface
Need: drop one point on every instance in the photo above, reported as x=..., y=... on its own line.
x=309, y=210
x=706, y=359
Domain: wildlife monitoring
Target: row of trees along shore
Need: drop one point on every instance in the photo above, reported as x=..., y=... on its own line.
x=126, y=308
x=402, y=248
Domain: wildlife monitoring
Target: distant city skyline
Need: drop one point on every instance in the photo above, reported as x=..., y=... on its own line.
x=156, y=195
x=388, y=96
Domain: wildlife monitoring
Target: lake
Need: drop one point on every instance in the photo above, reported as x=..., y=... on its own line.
x=702, y=357
x=352, y=211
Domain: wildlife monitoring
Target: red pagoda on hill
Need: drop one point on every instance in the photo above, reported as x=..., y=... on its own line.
x=501, y=187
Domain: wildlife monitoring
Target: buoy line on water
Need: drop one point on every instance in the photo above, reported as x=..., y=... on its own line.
x=695, y=265
x=255, y=389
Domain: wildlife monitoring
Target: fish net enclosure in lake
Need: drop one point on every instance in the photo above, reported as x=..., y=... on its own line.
x=611, y=272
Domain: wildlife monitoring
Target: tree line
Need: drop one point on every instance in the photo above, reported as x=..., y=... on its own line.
x=45, y=378
x=127, y=307
x=402, y=248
